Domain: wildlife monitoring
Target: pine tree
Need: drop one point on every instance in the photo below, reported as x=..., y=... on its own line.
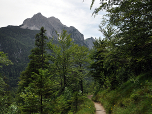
x=39, y=60
x=37, y=95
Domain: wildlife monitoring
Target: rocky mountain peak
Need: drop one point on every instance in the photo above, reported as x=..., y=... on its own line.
x=51, y=24
x=35, y=23
x=38, y=15
x=89, y=42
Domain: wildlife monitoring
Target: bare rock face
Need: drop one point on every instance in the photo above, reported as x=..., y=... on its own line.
x=36, y=22
x=55, y=22
x=89, y=42
x=51, y=24
x=75, y=34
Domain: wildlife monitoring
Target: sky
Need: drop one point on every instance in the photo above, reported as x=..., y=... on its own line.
x=75, y=13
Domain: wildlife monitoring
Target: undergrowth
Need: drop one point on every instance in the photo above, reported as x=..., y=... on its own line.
x=87, y=107
x=133, y=97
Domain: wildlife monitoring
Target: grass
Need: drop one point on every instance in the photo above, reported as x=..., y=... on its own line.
x=133, y=97
x=87, y=107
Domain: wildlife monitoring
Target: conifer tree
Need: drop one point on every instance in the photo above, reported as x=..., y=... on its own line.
x=38, y=59
x=33, y=78
x=37, y=95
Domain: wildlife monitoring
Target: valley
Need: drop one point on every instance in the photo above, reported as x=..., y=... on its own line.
x=48, y=67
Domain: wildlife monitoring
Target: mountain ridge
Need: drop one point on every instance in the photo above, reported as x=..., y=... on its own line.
x=51, y=25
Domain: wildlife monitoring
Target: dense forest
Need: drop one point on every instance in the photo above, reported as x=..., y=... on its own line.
x=122, y=65
x=117, y=70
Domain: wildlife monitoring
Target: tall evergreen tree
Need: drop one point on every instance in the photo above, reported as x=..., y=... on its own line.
x=37, y=96
x=39, y=60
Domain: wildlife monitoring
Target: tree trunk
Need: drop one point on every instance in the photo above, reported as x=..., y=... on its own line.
x=81, y=84
x=41, y=110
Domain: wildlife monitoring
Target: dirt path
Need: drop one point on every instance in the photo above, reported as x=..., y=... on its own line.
x=98, y=106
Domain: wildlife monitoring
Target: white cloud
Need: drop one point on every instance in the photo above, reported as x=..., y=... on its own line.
x=70, y=12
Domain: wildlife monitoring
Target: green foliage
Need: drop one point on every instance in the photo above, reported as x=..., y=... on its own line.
x=38, y=60
x=67, y=94
x=35, y=85
x=4, y=59
x=133, y=24
x=2, y=85
x=132, y=97
x=87, y=107
x=69, y=62
x=30, y=102
x=124, y=52
x=55, y=80
x=81, y=62
x=5, y=97
x=40, y=87
x=60, y=57
x=124, y=57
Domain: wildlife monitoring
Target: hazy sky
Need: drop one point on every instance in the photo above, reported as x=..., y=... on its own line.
x=70, y=12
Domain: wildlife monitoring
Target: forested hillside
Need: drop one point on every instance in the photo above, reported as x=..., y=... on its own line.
x=17, y=43
x=122, y=66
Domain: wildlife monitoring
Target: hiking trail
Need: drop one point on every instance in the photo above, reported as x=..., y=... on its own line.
x=99, y=108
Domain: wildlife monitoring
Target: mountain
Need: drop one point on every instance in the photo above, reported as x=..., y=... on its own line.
x=89, y=42
x=36, y=22
x=52, y=25
x=17, y=42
